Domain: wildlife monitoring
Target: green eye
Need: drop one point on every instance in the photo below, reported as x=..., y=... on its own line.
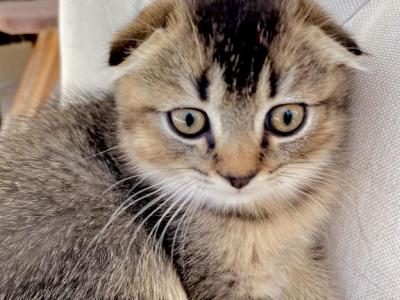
x=189, y=123
x=285, y=120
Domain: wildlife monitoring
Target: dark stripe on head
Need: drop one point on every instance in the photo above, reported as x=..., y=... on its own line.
x=202, y=86
x=273, y=81
x=240, y=32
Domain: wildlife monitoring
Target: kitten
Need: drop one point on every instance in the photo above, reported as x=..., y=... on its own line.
x=209, y=173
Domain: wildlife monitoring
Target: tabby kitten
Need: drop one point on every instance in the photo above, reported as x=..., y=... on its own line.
x=209, y=173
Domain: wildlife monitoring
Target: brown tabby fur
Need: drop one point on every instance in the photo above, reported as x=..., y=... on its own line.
x=101, y=200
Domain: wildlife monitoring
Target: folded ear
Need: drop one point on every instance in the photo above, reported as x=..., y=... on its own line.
x=339, y=35
x=153, y=17
x=337, y=44
x=315, y=15
x=335, y=51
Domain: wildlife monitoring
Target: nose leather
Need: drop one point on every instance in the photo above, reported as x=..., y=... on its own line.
x=240, y=182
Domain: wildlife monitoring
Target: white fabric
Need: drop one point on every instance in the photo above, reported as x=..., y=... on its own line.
x=365, y=237
x=87, y=27
x=343, y=10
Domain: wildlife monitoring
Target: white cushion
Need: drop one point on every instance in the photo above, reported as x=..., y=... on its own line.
x=86, y=29
x=365, y=237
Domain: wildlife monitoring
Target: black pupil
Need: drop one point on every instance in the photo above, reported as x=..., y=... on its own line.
x=288, y=117
x=189, y=119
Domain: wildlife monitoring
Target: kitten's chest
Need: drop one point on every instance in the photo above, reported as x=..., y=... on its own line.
x=255, y=272
x=234, y=261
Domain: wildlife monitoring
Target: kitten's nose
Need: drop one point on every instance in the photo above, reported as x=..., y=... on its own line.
x=240, y=182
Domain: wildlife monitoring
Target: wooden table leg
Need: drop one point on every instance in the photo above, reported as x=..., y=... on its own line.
x=41, y=75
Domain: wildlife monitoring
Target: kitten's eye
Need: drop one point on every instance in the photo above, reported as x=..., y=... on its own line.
x=285, y=120
x=189, y=123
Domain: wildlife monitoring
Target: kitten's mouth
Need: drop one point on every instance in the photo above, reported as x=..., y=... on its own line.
x=222, y=186
x=237, y=185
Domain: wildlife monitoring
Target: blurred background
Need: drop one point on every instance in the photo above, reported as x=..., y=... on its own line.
x=29, y=55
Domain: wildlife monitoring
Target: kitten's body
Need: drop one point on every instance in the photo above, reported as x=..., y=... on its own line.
x=50, y=225
x=55, y=200
x=87, y=190
x=225, y=263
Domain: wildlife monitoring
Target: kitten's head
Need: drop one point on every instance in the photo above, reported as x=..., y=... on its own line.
x=233, y=105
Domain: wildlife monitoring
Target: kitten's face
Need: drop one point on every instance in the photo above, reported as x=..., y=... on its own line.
x=243, y=118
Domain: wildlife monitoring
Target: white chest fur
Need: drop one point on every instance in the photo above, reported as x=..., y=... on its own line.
x=253, y=258
x=246, y=250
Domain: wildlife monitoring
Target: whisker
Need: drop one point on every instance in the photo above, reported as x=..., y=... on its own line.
x=146, y=207
x=178, y=228
x=99, y=153
x=139, y=227
x=122, y=208
x=110, y=188
x=184, y=202
x=156, y=226
x=176, y=201
x=142, y=175
x=335, y=177
x=184, y=234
